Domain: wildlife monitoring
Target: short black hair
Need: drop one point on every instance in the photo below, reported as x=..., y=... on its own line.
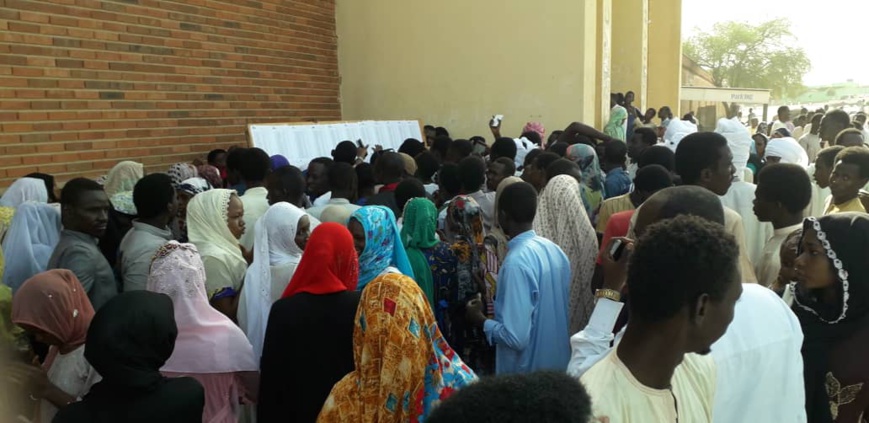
x=690, y=200
x=696, y=152
x=449, y=180
x=49, y=184
x=390, y=165
x=788, y=184
x=563, y=167
x=441, y=145
x=559, y=148
x=212, y=155
x=74, y=189
x=532, y=136
x=676, y=261
x=411, y=147
x=325, y=161
x=235, y=158
x=848, y=131
x=552, y=397
x=519, y=202
x=153, y=194
x=838, y=116
x=503, y=147
x=428, y=127
x=365, y=177
x=659, y=155
x=472, y=172
x=828, y=155
x=650, y=137
x=255, y=165
x=345, y=152
x=544, y=159
x=509, y=165
x=615, y=151
x=440, y=131
x=291, y=180
x=652, y=178
x=858, y=156
x=530, y=156
x=461, y=148
x=782, y=109
x=554, y=135
x=426, y=165
x=408, y=189
x=342, y=177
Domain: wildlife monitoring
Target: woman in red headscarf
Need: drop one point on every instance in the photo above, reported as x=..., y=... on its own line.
x=309, y=339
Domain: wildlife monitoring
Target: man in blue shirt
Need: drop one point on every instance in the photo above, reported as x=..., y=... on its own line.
x=618, y=181
x=530, y=328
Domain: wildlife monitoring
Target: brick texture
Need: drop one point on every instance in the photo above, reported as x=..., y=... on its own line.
x=87, y=83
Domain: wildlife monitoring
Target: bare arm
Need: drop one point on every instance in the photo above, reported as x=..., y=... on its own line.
x=579, y=128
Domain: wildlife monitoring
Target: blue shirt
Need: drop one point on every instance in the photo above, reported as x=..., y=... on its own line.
x=530, y=329
x=618, y=182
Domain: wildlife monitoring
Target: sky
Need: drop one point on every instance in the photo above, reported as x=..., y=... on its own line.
x=811, y=24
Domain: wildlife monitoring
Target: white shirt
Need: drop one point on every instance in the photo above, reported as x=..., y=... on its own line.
x=740, y=198
x=768, y=267
x=759, y=366
x=256, y=203
x=323, y=199
x=818, y=204
x=72, y=373
x=316, y=211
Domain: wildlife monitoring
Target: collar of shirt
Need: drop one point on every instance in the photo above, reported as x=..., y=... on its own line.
x=81, y=236
x=518, y=239
x=153, y=230
x=787, y=229
x=388, y=187
x=341, y=201
x=258, y=192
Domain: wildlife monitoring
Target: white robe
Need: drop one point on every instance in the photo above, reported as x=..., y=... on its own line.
x=740, y=198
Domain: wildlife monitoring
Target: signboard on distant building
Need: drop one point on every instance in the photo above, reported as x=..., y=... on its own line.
x=736, y=95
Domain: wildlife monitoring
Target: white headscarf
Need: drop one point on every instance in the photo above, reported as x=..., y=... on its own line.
x=738, y=140
x=123, y=177
x=788, y=149
x=24, y=189
x=28, y=245
x=676, y=130
x=274, y=246
x=207, y=229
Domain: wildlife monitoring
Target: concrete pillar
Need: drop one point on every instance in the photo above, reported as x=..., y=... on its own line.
x=665, y=54
x=603, y=49
x=630, y=49
x=587, y=26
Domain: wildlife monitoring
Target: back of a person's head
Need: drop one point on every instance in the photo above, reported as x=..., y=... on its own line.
x=783, y=109
x=532, y=136
x=531, y=156
x=563, y=167
x=827, y=156
x=675, y=262
x=74, y=189
x=440, y=131
x=449, y=180
x=659, y=155
x=460, y=149
x=838, y=116
x=519, y=202
x=153, y=194
x=615, y=152
x=857, y=156
x=235, y=157
x=365, y=175
x=342, y=178
x=559, y=148
x=214, y=154
x=554, y=136
x=441, y=145
x=411, y=147
x=389, y=166
x=652, y=178
x=290, y=180
x=787, y=184
x=697, y=152
x=472, y=172
x=503, y=147
x=677, y=201
x=408, y=189
x=545, y=159
x=345, y=152
x=850, y=133
x=426, y=165
x=255, y=165
x=551, y=397
x=649, y=136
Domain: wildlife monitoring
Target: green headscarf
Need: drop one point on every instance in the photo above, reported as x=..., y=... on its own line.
x=418, y=232
x=616, y=125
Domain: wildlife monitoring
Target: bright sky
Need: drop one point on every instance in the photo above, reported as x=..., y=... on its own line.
x=813, y=24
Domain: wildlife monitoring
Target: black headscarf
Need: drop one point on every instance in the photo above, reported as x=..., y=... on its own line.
x=845, y=237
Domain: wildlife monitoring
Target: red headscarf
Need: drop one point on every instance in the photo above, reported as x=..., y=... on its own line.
x=329, y=263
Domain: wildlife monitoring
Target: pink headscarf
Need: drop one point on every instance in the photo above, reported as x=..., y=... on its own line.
x=536, y=127
x=210, y=174
x=208, y=342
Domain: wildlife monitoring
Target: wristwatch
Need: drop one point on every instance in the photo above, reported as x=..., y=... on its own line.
x=610, y=294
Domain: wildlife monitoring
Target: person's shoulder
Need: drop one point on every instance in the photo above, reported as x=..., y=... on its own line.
x=601, y=377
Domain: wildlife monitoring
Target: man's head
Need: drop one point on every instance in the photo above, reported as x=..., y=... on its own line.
x=800, y=121
x=286, y=184
x=254, y=166
x=234, y=161
x=535, y=174
x=440, y=131
x=651, y=179
x=784, y=114
x=665, y=113
x=85, y=207
x=411, y=147
x=154, y=197
x=517, y=208
x=850, y=173
x=345, y=152
x=816, y=123
x=615, y=153
x=629, y=97
x=832, y=123
x=641, y=139
x=563, y=167
x=783, y=190
x=659, y=155
x=671, y=202
x=426, y=166
x=365, y=178
x=342, y=181
x=407, y=190
x=559, y=148
x=389, y=168
x=472, y=172
x=429, y=131
x=553, y=137
x=824, y=164
x=318, y=176
x=440, y=146
x=850, y=137
x=684, y=272
x=217, y=158
x=503, y=147
x=860, y=118
x=497, y=170
x=532, y=136
x=704, y=159
x=449, y=182
x=650, y=114
x=458, y=150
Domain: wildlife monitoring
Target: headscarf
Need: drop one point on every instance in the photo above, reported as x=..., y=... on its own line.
x=738, y=140
x=274, y=246
x=336, y=214
x=409, y=163
x=179, y=172
x=278, y=161
x=193, y=186
x=535, y=127
x=329, y=264
x=562, y=219
x=466, y=215
x=10, y=333
x=208, y=342
x=123, y=177
x=676, y=130
x=419, y=232
x=130, y=338
x=56, y=303
x=122, y=202
x=403, y=365
x=616, y=125
x=22, y=190
x=788, y=149
x=210, y=174
x=497, y=234
x=383, y=247
x=586, y=157
x=207, y=229
x=845, y=237
x=29, y=243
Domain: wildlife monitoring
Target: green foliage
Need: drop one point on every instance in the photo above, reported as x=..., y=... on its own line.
x=741, y=55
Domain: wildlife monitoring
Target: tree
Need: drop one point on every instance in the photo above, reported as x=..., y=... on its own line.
x=741, y=55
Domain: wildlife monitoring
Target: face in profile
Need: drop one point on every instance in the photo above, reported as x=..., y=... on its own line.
x=235, y=216
x=303, y=232
x=712, y=317
x=358, y=232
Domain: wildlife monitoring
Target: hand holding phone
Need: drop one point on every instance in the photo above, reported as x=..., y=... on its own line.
x=615, y=263
x=496, y=121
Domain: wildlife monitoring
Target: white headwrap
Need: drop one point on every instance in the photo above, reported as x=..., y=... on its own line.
x=738, y=140
x=28, y=245
x=676, y=130
x=207, y=216
x=24, y=189
x=788, y=149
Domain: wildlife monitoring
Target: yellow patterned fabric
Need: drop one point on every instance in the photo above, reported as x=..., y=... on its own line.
x=403, y=365
x=6, y=214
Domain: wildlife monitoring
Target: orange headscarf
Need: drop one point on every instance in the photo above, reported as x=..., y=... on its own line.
x=329, y=263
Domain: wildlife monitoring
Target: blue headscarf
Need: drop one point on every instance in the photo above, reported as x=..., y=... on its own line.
x=278, y=161
x=383, y=247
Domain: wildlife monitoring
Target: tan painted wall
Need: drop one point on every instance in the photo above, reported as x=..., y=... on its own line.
x=665, y=54
x=455, y=63
x=630, y=33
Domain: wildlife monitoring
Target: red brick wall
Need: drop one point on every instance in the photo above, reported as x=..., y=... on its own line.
x=87, y=83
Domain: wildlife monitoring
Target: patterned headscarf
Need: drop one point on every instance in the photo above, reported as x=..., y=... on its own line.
x=585, y=156
x=194, y=186
x=210, y=174
x=465, y=230
x=383, y=247
x=420, y=232
x=123, y=177
x=535, y=127
x=179, y=172
x=616, y=125
x=123, y=203
x=403, y=365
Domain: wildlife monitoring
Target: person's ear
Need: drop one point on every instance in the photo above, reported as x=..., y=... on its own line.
x=701, y=308
x=706, y=174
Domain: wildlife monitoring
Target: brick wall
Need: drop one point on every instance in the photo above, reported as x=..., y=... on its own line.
x=87, y=83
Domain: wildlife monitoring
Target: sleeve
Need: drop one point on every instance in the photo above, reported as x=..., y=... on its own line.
x=516, y=306
x=736, y=229
x=78, y=261
x=591, y=344
x=603, y=216
x=272, y=365
x=135, y=275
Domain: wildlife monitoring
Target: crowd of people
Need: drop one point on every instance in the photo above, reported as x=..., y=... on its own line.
x=452, y=280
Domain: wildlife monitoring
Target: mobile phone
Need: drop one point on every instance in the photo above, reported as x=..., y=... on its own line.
x=496, y=120
x=359, y=143
x=617, y=248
